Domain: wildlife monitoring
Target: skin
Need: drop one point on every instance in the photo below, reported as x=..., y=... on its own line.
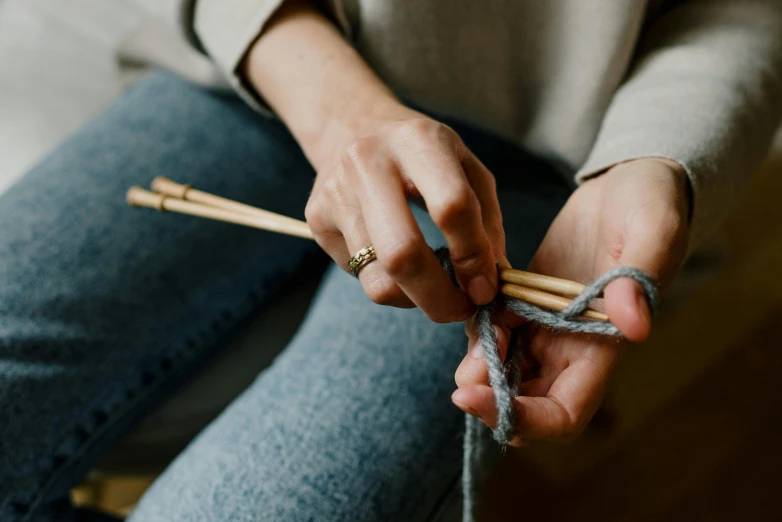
x=633, y=215
x=372, y=154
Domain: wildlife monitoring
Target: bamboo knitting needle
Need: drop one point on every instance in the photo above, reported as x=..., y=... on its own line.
x=542, y=282
x=545, y=300
x=163, y=185
x=264, y=220
x=138, y=197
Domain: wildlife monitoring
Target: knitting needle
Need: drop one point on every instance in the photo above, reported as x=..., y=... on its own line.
x=163, y=185
x=542, y=282
x=139, y=197
x=171, y=188
x=545, y=300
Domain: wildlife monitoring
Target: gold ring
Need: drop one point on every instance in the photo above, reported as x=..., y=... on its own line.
x=361, y=259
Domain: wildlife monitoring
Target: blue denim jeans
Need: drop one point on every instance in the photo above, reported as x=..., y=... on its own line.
x=104, y=310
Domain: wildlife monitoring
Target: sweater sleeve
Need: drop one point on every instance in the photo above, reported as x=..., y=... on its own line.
x=705, y=90
x=226, y=29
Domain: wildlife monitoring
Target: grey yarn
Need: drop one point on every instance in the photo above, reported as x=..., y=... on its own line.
x=505, y=387
x=567, y=320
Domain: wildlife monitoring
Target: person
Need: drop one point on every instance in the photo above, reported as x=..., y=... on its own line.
x=660, y=110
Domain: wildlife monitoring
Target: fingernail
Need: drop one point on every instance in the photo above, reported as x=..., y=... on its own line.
x=480, y=290
x=476, y=352
x=466, y=409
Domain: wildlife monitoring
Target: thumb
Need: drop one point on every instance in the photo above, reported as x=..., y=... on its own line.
x=628, y=309
x=657, y=249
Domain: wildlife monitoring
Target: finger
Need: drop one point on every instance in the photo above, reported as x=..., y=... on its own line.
x=537, y=387
x=485, y=186
x=377, y=284
x=563, y=413
x=400, y=246
x=628, y=309
x=325, y=231
x=437, y=173
x=502, y=317
x=337, y=224
x=536, y=417
x=473, y=369
x=655, y=250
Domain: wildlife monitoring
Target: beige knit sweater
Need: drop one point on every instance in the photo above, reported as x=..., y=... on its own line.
x=587, y=83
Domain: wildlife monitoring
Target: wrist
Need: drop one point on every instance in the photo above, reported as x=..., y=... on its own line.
x=316, y=82
x=672, y=170
x=344, y=121
x=682, y=180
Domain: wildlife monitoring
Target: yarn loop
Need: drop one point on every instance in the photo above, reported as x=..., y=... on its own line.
x=505, y=378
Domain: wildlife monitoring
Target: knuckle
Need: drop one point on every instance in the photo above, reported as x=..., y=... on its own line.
x=421, y=127
x=402, y=257
x=453, y=207
x=382, y=290
x=319, y=222
x=357, y=153
x=460, y=377
x=313, y=213
x=469, y=260
x=491, y=181
x=334, y=189
x=428, y=130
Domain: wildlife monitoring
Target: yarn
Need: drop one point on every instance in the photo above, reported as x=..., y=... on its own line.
x=505, y=378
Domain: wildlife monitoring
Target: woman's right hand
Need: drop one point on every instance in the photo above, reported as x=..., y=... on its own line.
x=372, y=153
x=360, y=199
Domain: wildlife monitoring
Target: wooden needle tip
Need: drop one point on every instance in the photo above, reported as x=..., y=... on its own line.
x=131, y=196
x=158, y=181
x=163, y=185
x=138, y=197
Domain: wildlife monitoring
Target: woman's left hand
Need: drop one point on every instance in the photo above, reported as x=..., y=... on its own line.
x=634, y=215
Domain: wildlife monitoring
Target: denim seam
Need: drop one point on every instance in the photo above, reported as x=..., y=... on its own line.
x=212, y=334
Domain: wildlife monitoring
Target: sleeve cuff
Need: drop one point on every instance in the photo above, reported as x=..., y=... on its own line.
x=226, y=29
x=704, y=94
x=602, y=160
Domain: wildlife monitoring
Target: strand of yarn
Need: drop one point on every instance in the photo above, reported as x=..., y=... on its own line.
x=567, y=321
x=505, y=377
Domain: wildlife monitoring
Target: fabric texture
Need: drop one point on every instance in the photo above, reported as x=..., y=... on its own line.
x=104, y=309
x=588, y=85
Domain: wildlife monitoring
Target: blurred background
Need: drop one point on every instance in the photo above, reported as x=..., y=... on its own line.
x=689, y=430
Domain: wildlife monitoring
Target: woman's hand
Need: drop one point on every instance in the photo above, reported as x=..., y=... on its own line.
x=633, y=215
x=360, y=198
x=372, y=153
